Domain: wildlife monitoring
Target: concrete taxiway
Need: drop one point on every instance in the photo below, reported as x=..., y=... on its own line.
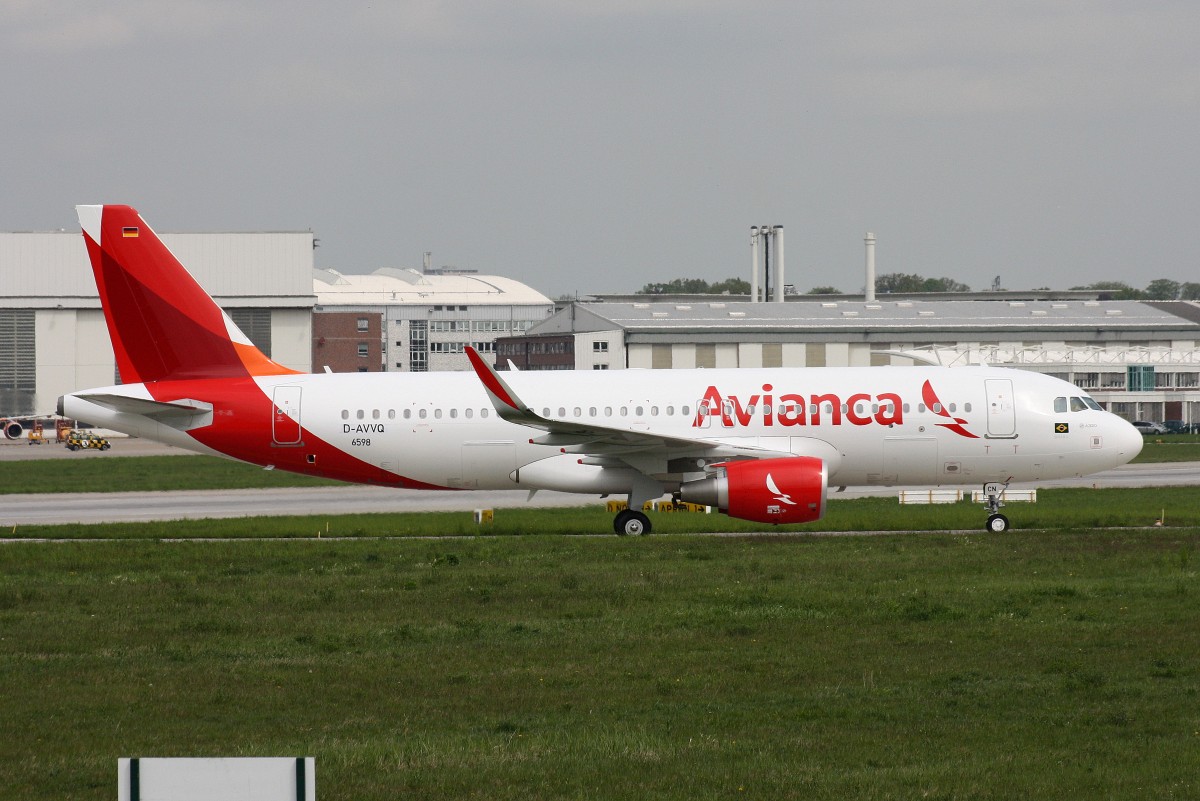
x=117, y=507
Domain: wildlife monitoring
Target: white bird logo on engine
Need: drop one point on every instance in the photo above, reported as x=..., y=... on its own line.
x=782, y=497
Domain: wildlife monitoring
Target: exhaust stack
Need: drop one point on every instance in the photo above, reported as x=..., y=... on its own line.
x=869, y=293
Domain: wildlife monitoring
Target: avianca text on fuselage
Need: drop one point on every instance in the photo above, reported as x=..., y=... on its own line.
x=792, y=409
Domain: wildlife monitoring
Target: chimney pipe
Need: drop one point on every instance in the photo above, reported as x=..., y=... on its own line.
x=754, y=264
x=777, y=232
x=869, y=294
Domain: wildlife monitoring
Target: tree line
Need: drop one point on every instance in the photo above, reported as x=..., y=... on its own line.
x=890, y=283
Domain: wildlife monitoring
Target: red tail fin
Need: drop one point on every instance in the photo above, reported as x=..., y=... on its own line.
x=162, y=324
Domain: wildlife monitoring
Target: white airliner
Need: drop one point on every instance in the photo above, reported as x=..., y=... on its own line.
x=759, y=444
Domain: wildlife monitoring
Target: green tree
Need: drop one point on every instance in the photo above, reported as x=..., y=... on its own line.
x=1189, y=291
x=824, y=290
x=732, y=286
x=1162, y=289
x=1114, y=290
x=697, y=286
x=943, y=285
x=904, y=282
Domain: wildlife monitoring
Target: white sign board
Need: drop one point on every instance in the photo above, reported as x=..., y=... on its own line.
x=229, y=779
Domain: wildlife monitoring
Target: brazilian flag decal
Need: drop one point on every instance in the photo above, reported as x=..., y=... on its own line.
x=1062, y=428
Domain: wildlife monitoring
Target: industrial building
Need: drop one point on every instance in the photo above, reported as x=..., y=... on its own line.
x=1139, y=359
x=53, y=337
x=416, y=321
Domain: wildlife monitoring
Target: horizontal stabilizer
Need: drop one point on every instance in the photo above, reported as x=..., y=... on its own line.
x=183, y=414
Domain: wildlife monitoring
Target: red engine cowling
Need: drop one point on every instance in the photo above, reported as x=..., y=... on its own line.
x=788, y=490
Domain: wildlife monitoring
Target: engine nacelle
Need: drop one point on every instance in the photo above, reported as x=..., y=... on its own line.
x=787, y=490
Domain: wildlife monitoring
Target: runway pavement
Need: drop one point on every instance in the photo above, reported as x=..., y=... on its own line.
x=60, y=508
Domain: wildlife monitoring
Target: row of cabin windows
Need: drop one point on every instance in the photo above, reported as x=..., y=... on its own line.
x=640, y=411
x=407, y=414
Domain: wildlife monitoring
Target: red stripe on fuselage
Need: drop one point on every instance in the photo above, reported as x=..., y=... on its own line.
x=241, y=428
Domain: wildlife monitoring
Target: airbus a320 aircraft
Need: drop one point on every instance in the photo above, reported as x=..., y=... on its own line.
x=758, y=444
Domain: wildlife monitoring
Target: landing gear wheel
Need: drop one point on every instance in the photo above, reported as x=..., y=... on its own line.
x=628, y=522
x=997, y=524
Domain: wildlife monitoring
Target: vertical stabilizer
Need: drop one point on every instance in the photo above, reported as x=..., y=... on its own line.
x=162, y=324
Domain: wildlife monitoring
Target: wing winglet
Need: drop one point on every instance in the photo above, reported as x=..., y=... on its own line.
x=506, y=402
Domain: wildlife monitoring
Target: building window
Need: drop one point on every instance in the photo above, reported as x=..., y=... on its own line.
x=1140, y=377
x=599, y=366
x=599, y=347
x=418, y=346
x=363, y=350
x=363, y=323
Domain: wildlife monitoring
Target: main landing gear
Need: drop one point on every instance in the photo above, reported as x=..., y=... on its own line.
x=996, y=522
x=629, y=522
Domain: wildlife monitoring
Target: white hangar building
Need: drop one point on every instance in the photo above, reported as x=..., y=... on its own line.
x=53, y=338
x=416, y=321
x=1139, y=359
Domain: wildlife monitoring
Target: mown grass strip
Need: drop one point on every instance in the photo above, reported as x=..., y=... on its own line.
x=1169, y=448
x=1030, y=665
x=104, y=473
x=1055, y=509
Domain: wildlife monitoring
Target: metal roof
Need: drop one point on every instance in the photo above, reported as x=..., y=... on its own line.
x=1079, y=317
x=391, y=286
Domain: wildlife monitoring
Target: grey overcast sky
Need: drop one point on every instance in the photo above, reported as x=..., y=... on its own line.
x=584, y=146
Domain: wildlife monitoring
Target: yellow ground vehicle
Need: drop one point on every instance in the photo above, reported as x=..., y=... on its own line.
x=79, y=440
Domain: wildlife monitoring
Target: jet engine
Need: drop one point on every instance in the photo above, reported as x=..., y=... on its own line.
x=787, y=490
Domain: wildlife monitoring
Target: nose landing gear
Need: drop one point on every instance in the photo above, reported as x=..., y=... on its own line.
x=996, y=522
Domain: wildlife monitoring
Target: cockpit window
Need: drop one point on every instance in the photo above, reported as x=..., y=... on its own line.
x=1060, y=405
x=1077, y=405
x=1091, y=404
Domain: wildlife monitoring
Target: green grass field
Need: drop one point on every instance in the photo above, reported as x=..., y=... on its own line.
x=1031, y=665
x=1169, y=448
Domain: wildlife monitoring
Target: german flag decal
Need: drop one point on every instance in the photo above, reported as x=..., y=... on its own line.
x=129, y=232
x=1062, y=428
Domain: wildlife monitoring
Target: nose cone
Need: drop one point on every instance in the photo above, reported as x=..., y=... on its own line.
x=1124, y=441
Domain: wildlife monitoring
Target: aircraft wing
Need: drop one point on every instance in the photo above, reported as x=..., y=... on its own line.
x=578, y=436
